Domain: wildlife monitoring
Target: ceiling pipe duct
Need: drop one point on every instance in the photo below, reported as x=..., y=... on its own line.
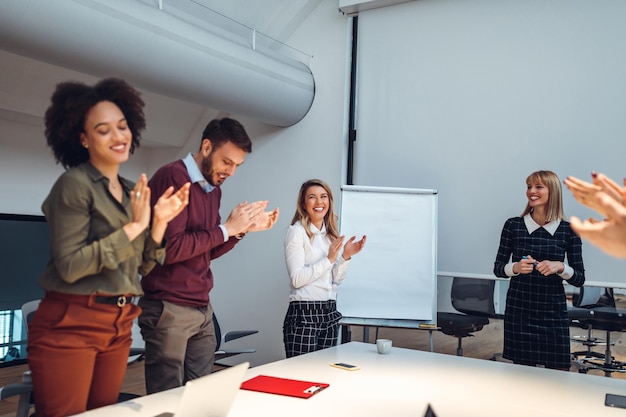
x=156, y=50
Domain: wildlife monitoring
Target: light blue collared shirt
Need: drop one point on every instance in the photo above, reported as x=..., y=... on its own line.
x=195, y=175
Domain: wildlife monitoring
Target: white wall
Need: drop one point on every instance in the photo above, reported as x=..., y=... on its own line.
x=470, y=96
x=28, y=167
x=251, y=284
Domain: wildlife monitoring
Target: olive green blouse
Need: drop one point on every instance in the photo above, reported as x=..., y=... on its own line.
x=90, y=253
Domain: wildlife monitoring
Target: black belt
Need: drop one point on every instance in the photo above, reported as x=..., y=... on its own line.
x=118, y=300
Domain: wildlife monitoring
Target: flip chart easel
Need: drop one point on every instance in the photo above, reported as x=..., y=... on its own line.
x=393, y=281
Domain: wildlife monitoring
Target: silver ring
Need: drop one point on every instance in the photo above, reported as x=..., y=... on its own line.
x=137, y=194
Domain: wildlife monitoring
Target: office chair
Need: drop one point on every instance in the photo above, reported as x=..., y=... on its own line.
x=588, y=297
x=600, y=314
x=474, y=299
x=24, y=389
x=222, y=339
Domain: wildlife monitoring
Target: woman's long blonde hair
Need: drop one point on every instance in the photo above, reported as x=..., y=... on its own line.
x=554, y=210
x=330, y=220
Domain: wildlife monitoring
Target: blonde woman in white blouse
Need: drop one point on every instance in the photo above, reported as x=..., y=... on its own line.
x=316, y=265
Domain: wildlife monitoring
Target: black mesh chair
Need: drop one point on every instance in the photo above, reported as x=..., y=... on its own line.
x=473, y=298
x=222, y=352
x=588, y=297
x=594, y=309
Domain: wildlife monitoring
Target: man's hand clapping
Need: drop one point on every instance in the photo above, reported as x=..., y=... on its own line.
x=250, y=217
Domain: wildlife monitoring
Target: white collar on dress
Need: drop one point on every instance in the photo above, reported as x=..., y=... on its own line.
x=531, y=225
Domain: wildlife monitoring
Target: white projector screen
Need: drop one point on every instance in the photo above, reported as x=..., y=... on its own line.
x=394, y=276
x=469, y=97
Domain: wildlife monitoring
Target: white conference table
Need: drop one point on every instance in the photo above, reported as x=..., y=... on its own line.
x=403, y=383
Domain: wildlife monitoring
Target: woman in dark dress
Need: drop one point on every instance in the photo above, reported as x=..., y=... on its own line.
x=532, y=253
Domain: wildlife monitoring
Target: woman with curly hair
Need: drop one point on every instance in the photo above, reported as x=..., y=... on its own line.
x=316, y=268
x=101, y=240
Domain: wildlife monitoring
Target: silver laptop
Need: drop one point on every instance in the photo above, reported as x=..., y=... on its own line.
x=211, y=395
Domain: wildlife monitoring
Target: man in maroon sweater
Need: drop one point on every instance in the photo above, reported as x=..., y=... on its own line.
x=176, y=321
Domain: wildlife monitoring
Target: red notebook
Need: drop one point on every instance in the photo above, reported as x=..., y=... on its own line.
x=283, y=386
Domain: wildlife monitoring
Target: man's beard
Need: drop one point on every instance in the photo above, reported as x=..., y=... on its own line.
x=207, y=171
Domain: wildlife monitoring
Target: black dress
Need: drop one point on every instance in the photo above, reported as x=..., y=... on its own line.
x=536, y=326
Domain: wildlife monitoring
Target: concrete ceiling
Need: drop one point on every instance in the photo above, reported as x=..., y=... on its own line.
x=26, y=83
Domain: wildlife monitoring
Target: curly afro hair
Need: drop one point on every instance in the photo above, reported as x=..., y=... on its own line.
x=71, y=101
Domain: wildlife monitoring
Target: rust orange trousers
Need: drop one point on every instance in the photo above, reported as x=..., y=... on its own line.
x=78, y=352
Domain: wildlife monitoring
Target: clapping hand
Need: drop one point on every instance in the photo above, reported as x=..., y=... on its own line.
x=171, y=203
x=334, y=248
x=352, y=247
x=610, y=234
x=264, y=220
x=586, y=193
x=607, y=198
x=168, y=206
x=140, y=202
x=250, y=217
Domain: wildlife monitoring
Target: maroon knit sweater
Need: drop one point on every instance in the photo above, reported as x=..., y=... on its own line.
x=194, y=238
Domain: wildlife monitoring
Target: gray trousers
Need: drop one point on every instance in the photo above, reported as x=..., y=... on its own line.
x=180, y=343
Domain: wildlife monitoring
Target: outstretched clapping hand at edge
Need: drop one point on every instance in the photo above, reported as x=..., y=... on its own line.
x=586, y=193
x=610, y=234
x=607, y=199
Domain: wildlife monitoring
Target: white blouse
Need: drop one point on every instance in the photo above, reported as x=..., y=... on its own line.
x=311, y=275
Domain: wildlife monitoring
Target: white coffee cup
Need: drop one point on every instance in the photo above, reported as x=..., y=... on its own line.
x=383, y=346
